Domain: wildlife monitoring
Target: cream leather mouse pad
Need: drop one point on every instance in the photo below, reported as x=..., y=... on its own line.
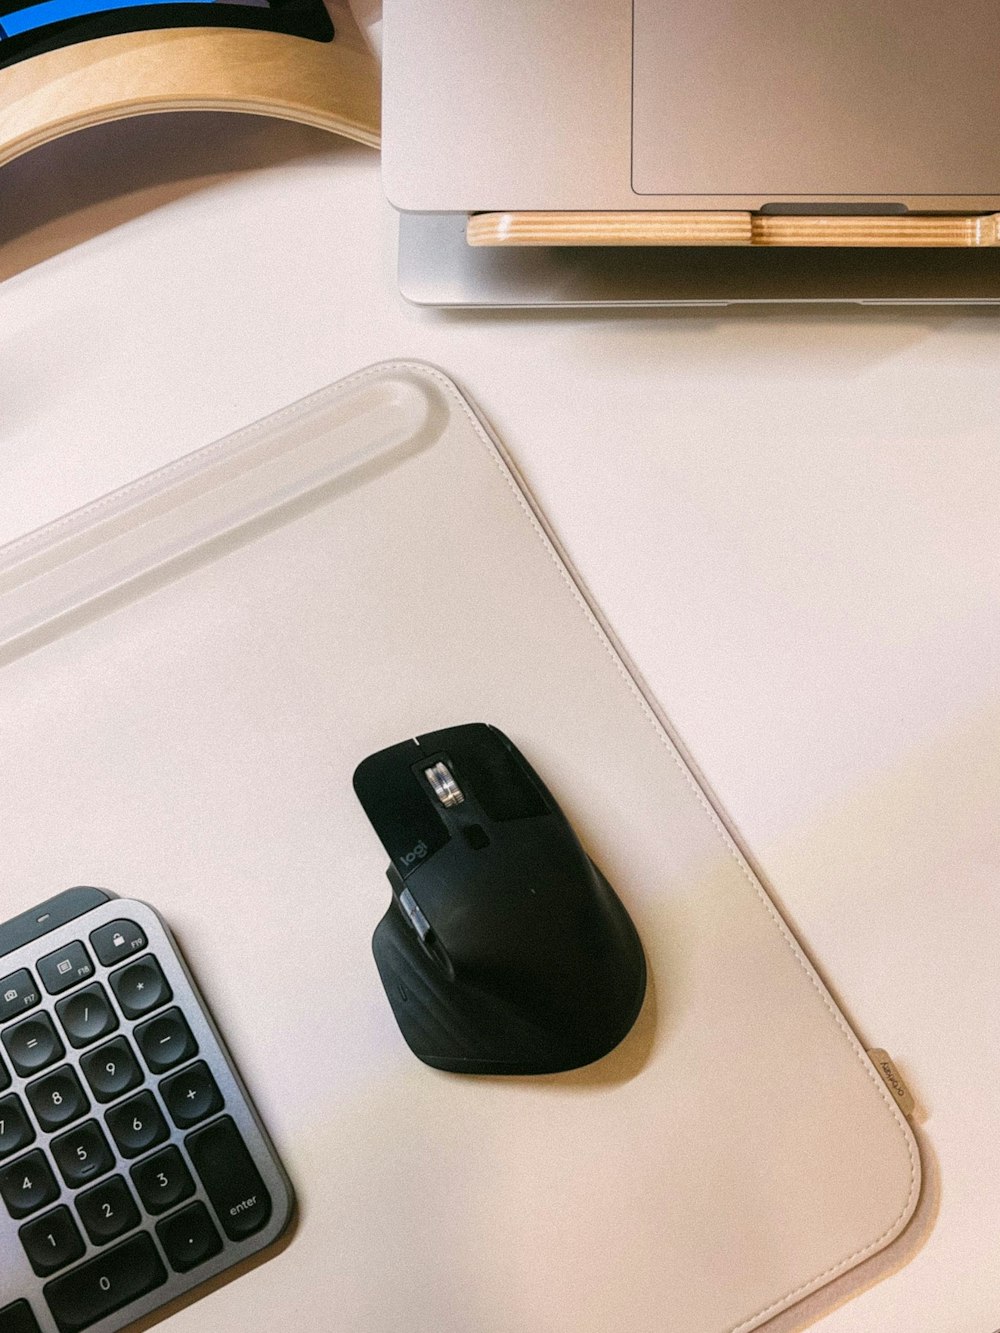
x=191, y=670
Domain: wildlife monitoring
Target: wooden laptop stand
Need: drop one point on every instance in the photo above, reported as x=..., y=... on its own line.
x=333, y=85
x=662, y=228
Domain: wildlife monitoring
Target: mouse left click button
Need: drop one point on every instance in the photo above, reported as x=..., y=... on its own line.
x=415, y=917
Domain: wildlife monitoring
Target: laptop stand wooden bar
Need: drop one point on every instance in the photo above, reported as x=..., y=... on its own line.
x=737, y=228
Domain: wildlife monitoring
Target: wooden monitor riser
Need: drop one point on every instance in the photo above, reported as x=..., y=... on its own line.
x=333, y=85
x=651, y=228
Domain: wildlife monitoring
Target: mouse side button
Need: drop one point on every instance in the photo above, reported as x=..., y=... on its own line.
x=413, y=913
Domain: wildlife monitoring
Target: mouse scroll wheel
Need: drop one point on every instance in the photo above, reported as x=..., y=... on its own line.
x=443, y=784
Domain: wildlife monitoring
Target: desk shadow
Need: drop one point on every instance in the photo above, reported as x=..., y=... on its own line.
x=86, y=183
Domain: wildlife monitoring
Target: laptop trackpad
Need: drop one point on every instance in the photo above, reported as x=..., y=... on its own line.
x=786, y=97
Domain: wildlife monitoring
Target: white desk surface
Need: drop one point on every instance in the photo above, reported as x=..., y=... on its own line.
x=790, y=518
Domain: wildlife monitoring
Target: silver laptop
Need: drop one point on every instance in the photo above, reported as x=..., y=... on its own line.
x=873, y=106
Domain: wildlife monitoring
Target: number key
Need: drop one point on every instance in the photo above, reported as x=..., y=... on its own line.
x=57, y=1099
x=137, y=1124
x=111, y=1070
x=52, y=1241
x=15, y=1130
x=108, y=1210
x=162, y=1181
x=27, y=1184
x=82, y=1154
x=87, y=1015
x=106, y=1283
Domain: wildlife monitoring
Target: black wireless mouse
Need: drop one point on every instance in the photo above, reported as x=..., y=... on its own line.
x=504, y=949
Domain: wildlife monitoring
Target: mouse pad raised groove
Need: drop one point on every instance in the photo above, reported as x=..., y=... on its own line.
x=192, y=668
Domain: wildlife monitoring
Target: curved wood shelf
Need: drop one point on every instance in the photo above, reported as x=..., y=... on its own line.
x=332, y=85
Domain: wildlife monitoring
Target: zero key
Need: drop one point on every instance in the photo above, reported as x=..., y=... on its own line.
x=115, y=1278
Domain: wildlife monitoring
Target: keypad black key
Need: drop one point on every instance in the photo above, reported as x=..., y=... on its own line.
x=87, y=1016
x=141, y=987
x=66, y=967
x=82, y=1154
x=166, y=1041
x=27, y=1184
x=33, y=1044
x=116, y=941
x=57, y=1099
x=18, y=992
x=52, y=1241
x=191, y=1096
x=162, y=1181
x=4, y=1085
x=232, y=1182
x=137, y=1125
x=189, y=1238
x=111, y=1070
x=18, y=1318
x=15, y=1129
x=108, y=1210
x=97, y=1288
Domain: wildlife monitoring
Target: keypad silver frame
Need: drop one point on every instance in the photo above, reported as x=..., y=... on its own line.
x=17, y=1278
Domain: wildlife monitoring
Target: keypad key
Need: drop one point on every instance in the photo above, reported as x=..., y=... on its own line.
x=166, y=1041
x=137, y=1124
x=116, y=941
x=108, y=1210
x=4, y=1085
x=57, y=1099
x=52, y=1241
x=231, y=1180
x=64, y=968
x=15, y=1130
x=17, y=1318
x=33, y=1044
x=162, y=1181
x=141, y=987
x=111, y=1070
x=17, y=993
x=27, y=1184
x=191, y=1096
x=82, y=1155
x=87, y=1016
x=116, y=1277
x=189, y=1238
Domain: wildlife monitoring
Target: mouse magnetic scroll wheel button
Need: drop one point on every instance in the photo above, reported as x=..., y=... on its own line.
x=446, y=789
